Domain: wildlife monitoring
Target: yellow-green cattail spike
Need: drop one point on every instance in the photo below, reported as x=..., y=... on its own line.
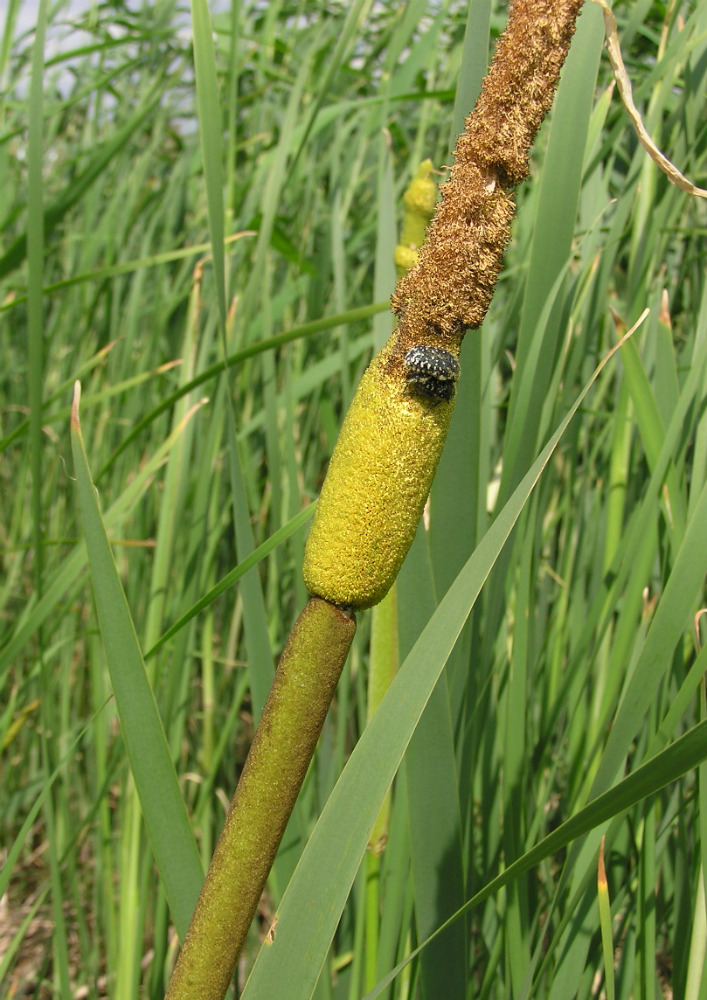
x=380, y=474
x=420, y=200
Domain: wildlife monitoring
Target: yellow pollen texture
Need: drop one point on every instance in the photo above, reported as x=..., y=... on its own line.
x=375, y=491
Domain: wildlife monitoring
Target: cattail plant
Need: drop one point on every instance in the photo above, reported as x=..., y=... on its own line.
x=380, y=473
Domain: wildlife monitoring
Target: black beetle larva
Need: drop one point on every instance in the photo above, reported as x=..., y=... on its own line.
x=431, y=372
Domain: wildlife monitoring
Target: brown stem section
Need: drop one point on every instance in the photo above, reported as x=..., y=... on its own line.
x=292, y=720
x=450, y=288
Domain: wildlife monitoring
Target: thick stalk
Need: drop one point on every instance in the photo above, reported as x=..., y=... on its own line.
x=282, y=749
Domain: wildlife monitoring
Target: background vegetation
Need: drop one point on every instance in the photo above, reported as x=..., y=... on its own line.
x=577, y=663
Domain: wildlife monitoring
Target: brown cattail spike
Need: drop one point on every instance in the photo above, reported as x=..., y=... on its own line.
x=450, y=288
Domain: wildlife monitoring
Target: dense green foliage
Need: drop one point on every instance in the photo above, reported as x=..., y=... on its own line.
x=578, y=662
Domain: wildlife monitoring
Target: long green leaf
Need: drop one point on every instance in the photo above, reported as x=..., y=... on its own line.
x=211, y=140
x=682, y=756
x=231, y=578
x=166, y=818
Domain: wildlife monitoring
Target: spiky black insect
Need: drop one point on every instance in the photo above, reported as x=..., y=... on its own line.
x=431, y=372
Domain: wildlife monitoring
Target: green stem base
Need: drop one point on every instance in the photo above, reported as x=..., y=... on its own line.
x=283, y=746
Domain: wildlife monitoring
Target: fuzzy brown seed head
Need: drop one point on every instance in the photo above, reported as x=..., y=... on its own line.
x=450, y=288
x=451, y=292
x=391, y=441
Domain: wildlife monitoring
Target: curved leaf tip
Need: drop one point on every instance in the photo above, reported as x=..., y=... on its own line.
x=75, y=422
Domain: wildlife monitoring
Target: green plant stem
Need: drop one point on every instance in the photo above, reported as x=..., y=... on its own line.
x=282, y=749
x=383, y=667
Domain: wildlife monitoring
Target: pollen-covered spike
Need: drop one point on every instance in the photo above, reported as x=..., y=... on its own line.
x=379, y=476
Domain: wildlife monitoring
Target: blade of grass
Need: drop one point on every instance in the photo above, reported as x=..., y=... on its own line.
x=607, y=937
x=474, y=63
x=652, y=430
x=433, y=796
x=558, y=197
x=35, y=308
x=685, y=581
x=210, y=129
x=11, y=11
x=256, y=556
x=162, y=803
x=260, y=656
x=35, y=374
x=515, y=752
x=666, y=767
x=126, y=267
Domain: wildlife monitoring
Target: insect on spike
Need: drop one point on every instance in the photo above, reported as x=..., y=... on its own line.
x=431, y=372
